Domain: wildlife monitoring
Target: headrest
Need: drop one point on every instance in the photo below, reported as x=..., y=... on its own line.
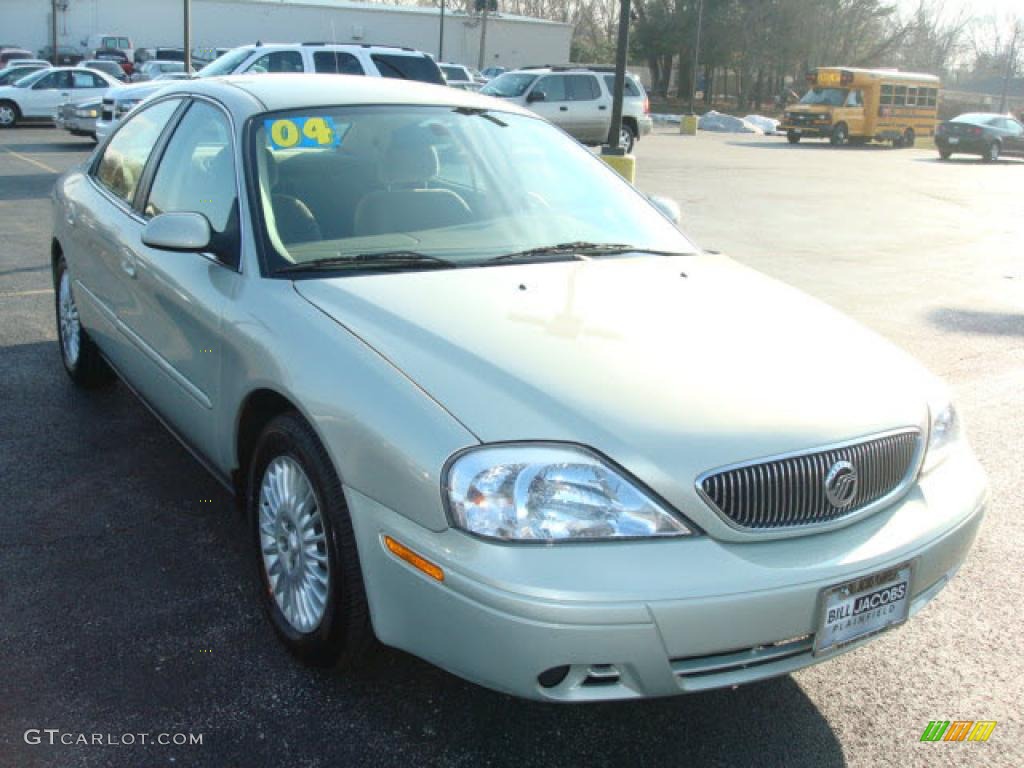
x=410, y=160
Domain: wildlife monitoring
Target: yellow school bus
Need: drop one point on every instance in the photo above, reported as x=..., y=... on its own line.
x=845, y=104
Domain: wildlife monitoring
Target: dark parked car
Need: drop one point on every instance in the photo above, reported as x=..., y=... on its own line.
x=117, y=56
x=67, y=56
x=980, y=133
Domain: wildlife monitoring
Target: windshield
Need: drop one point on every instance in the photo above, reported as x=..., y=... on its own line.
x=832, y=97
x=32, y=79
x=508, y=85
x=447, y=183
x=453, y=73
x=227, y=63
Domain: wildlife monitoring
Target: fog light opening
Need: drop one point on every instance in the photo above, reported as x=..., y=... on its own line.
x=549, y=678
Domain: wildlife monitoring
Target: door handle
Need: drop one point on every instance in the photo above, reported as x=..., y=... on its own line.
x=603, y=106
x=128, y=265
x=563, y=109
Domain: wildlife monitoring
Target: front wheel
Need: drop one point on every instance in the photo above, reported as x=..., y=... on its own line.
x=8, y=114
x=945, y=154
x=82, y=359
x=839, y=135
x=908, y=138
x=992, y=152
x=793, y=138
x=310, y=578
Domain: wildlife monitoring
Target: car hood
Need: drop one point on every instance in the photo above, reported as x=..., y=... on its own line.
x=670, y=366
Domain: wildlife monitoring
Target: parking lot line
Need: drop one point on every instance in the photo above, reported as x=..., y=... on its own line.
x=28, y=159
x=17, y=294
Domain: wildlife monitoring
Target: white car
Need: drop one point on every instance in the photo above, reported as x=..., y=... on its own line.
x=287, y=58
x=578, y=100
x=40, y=95
x=458, y=76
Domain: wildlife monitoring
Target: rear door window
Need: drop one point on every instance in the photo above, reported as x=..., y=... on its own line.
x=553, y=87
x=337, y=63
x=583, y=87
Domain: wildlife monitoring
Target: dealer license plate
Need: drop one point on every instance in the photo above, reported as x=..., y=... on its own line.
x=862, y=607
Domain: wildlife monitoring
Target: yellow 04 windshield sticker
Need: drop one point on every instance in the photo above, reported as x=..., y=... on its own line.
x=302, y=133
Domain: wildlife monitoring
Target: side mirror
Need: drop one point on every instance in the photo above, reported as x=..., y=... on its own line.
x=178, y=232
x=669, y=208
x=536, y=96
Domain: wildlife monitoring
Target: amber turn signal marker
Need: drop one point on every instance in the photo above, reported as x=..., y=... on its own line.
x=417, y=562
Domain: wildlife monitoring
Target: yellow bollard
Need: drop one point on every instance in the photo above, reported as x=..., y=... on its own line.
x=624, y=164
x=688, y=125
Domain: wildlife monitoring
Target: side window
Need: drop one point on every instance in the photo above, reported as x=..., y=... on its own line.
x=901, y=96
x=583, y=87
x=1015, y=128
x=120, y=168
x=85, y=80
x=911, y=97
x=886, y=95
x=337, y=63
x=553, y=88
x=197, y=174
x=277, y=61
x=853, y=99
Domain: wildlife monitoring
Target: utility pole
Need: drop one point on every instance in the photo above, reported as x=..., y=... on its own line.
x=696, y=54
x=1011, y=55
x=621, y=52
x=53, y=32
x=440, y=42
x=188, y=36
x=483, y=34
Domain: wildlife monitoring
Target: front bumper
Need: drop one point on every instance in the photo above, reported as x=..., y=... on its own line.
x=821, y=130
x=655, y=618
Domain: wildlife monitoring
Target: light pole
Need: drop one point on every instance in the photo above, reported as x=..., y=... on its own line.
x=621, y=52
x=53, y=33
x=188, y=36
x=696, y=54
x=440, y=42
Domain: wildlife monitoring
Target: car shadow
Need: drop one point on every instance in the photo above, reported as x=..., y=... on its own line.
x=969, y=160
x=27, y=186
x=977, y=322
x=73, y=144
x=129, y=583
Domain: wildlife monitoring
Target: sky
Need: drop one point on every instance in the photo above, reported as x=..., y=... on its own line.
x=976, y=8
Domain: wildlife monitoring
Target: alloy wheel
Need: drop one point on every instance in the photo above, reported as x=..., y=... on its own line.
x=70, y=327
x=7, y=115
x=293, y=544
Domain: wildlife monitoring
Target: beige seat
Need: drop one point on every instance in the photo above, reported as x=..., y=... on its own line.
x=408, y=203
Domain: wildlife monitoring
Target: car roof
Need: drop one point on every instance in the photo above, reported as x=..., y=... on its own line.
x=293, y=91
x=400, y=50
x=968, y=117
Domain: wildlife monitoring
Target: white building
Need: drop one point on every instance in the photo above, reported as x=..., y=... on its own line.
x=511, y=40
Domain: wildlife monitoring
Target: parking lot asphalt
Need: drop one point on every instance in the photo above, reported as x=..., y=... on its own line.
x=126, y=599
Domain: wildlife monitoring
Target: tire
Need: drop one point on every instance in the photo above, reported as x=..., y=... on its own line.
x=840, y=135
x=992, y=152
x=793, y=138
x=80, y=355
x=332, y=629
x=945, y=154
x=9, y=114
x=908, y=138
x=627, y=137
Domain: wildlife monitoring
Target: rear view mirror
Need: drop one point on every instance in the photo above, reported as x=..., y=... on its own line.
x=669, y=208
x=536, y=96
x=178, y=232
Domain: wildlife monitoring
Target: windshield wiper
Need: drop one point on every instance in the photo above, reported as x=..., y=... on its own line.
x=380, y=260
x=581, y=249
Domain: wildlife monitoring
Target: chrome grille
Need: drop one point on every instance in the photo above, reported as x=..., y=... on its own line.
x=790, y=491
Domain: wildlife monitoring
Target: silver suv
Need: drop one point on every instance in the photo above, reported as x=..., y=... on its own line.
x=578, y=100
x=322, y=58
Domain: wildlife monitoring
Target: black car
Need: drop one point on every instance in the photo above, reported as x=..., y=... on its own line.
x=980, y=133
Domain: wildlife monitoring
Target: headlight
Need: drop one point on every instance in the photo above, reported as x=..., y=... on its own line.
x=85, y=113
x=942, y=434
x=550, y=493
